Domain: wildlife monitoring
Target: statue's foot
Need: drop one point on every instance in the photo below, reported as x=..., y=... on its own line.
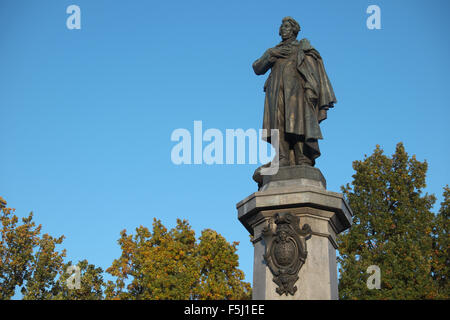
x=284, y=162
x=304, y=161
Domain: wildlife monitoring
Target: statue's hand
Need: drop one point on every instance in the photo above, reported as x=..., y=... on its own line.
x=282, y=52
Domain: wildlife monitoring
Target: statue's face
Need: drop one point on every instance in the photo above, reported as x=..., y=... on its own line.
x=286, y=30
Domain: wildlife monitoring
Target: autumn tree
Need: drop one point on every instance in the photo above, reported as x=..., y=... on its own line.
x=32, y=263
x=393, y=228
x=220, y=277
x=162, y=264
x=171, y=264
x=18, y=260
x=47, y=264
x=91, y=283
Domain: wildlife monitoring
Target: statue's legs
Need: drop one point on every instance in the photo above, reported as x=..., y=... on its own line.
x=284, y=143
x=299, y=154
x=292, y=148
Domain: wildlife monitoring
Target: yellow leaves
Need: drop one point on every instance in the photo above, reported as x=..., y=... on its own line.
x=156, y=264
x=172, y=265
x=27, y=257
x=2, y=203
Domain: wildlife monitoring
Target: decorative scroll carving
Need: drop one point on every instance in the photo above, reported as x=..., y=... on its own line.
x=286, y=251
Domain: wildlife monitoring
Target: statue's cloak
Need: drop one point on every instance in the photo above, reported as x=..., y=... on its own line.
x=300, y=85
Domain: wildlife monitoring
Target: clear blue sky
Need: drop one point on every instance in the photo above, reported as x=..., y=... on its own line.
x=86, y=115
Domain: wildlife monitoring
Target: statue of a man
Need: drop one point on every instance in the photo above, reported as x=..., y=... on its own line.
x=298, y=95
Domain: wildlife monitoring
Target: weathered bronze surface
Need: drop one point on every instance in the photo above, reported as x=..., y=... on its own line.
x=298, y=95
x=286, y=251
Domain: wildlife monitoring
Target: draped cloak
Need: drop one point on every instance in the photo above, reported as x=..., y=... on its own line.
x=300, y=85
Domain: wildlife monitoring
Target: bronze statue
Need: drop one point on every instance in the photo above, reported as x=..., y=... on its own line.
x=298, y=95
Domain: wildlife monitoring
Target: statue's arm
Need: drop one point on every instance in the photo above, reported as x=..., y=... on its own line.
x=264, y=63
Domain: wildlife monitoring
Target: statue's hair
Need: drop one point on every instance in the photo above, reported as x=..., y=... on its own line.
x=295, y=26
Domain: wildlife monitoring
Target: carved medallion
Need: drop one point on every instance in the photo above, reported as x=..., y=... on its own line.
x=286, y=251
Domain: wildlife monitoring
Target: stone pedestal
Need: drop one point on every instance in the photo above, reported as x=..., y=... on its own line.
x=299, y=191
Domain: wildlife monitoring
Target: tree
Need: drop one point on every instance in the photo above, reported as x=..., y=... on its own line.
x=31, y=262
x=160, y=264
x=46, y=265
x=91, y=283
x=393, y=228
x=171, y=264
x=17, y=244
x=441, y=244
x=220, y=277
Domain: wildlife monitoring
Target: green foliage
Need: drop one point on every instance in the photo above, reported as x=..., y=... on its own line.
x=46, y=265
x=158, y=263
x=441, y=244
x=394, y=229
x=17, y=243
x=220, y=277
x=31, y=262
x=166, y=265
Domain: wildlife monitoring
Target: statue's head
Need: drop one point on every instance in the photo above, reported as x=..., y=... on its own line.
x=289, y=28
